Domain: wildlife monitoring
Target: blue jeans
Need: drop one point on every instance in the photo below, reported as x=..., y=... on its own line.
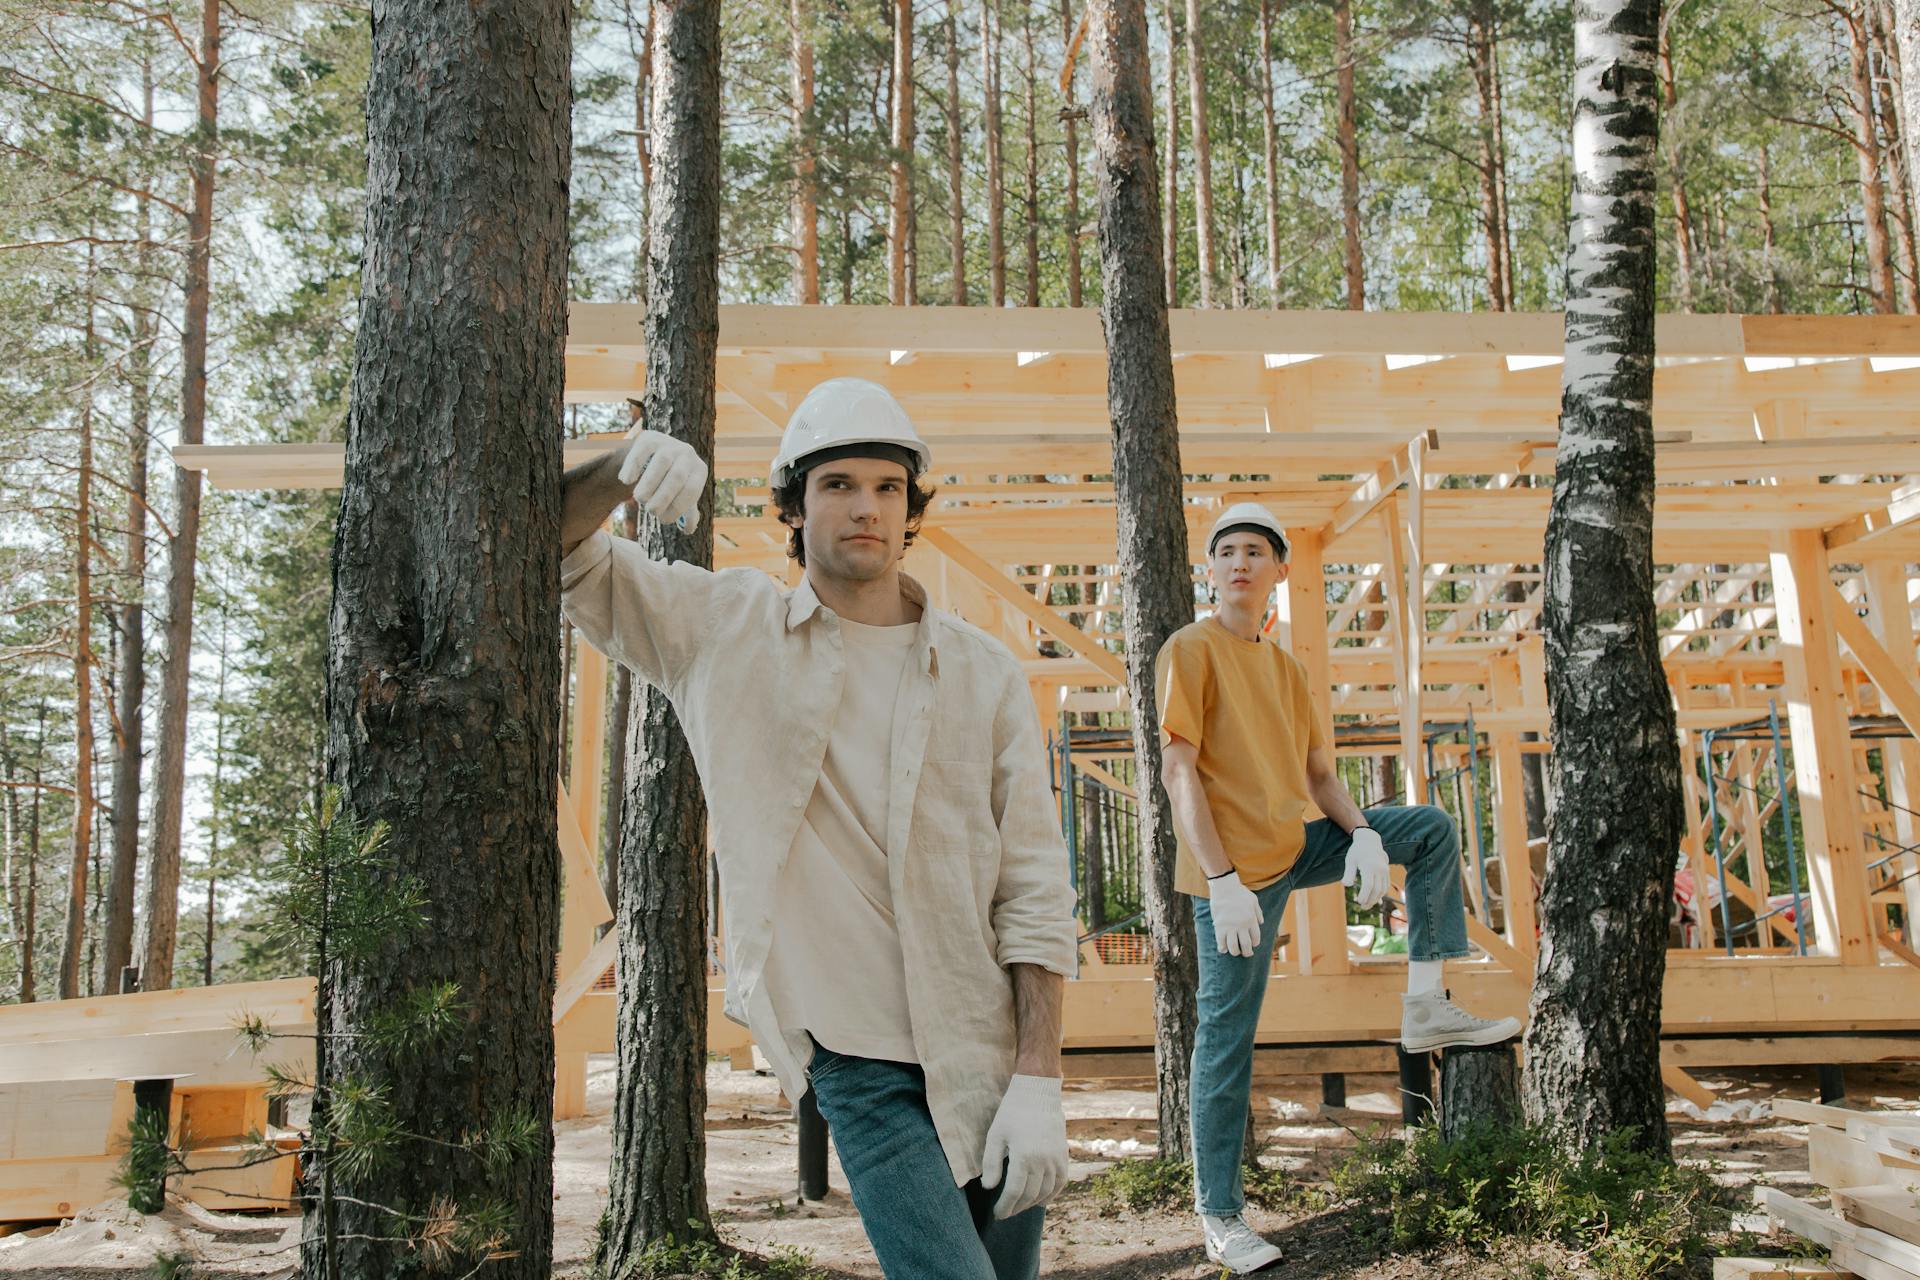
x=1420, y=838
x=921, y=1226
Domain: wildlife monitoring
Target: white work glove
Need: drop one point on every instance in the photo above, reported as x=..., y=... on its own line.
x=667, y=476
x=1367, y=864
x=1236, y=914
x=1029, y=1138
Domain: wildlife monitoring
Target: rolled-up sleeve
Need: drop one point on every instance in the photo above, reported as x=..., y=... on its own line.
x=1033, y=903
x=645, y=613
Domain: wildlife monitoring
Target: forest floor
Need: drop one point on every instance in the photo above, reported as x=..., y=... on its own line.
x=752, y=1164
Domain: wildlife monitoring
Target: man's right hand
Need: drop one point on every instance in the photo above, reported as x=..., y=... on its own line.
x=667, y=476
x=1236, y=915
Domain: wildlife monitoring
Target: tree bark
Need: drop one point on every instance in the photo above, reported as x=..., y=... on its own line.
x=130, y=741
x=956, y=171
x=1592, y=1043
x=900, y=159
x=1683, y=233
x=29, y=936
x=612, y=816
x=1478, y=1087
x=1854, y=19
x=1148, y=490
x=1480, y=57
x=1070, y=115
x=1769, y=260
x=1348, y=139
x=1906, y=39
x=443, y=681
x=183, y=551
x=1500, y=162
x=996, y=181
x=657, y=1187
x=806, y=215
x=1271, y=154
x=1031, y=196
x=1170, y=164
x=1202, y=152
x=1900, y=206
x=71, y=956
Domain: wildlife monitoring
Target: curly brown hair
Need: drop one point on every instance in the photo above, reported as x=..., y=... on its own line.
x=790, y=501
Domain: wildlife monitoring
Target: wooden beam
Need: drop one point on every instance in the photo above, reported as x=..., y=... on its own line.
x=1822, y=750
x=1897, y=514
x=1892, y=617
x=1043, y=616
x=1322, y=919
x=1687, y=1087
x=1381, y=485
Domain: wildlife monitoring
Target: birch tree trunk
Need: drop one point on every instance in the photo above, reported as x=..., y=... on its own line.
x=900, y=159
x=1768, y=258
x=1906, y=38
x=1592, y=1042
x=1900, y=206
x=956, y=170
x=806, y=220
x=1202, y=151
x=443, y=681
x=1347, y=135
x=1148, y=485
x=183, y=551
x=996, y=179
x=657, y=1186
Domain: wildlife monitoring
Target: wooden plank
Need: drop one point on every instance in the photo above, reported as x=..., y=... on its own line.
x=1322, y=923
x=206, y=1057
x=1309, y=1060
x=281, y=1002
x=1892, y=1210
x=1378, y=487
x=1901, y=512
x=1773, y=1269
x=1851, y=1246
x=1836, y=1160
x=1760, y=1051
x=1894, y=682
x=1839, y=1117
x=1043, y=616
x=1687, y=1087
x=55, y=1188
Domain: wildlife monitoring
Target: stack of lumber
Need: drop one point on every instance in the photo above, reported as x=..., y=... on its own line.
x=1869, y=1162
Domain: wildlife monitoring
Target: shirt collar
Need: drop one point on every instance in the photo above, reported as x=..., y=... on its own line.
x=802, y=604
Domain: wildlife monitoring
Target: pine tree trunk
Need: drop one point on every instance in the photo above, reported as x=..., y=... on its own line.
x=900, y=158
x=1170, y=164
x=1202, y=152
x=1500, y=161
x=1906, y=39
x=443, y=682
x=996, y=176
x=1683, y=233
x=1478, y=1087
x=1480, y=56
x=183, y=551
x=1070, y=114
x=1031, y=196
x=1900, y=206
x=657, y=1188
x=1592, y=1044
x=1271, y=154
x=1348, y=138
x=1866, y=154
x=806, y=216
x=1147, y=484
x=956, y=170
x=76, y=941
x=29, y=937
x=130, y=741
x=1768, y=258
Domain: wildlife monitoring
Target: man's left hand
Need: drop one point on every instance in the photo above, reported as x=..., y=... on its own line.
x=1029, y=1137
x=1367, y=864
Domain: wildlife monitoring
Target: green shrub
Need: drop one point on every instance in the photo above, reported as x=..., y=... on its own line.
x=1634, y=1216
x=706, y=1259
x=1138, y=1186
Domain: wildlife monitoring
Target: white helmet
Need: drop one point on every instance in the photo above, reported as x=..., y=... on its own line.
x=847, y=411
x=1249, y=515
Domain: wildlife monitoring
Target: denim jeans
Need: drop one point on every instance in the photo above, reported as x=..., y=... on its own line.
x=921, y=1226
x=1420, y=838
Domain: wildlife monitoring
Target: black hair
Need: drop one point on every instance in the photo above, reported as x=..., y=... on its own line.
x=790, y=499
x=1278, y=543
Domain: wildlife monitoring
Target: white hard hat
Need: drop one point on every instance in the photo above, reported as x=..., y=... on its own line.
x=1249, y=515
x=847, y=411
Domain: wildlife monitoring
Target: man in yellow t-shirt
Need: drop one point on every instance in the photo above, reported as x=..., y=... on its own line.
x=1243, y=754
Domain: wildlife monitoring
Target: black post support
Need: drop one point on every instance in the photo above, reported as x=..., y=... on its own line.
x=1416, y=1085
x=813, y=1149
x=148, y=1161
x=1833, y=1082
x=1333, y=1089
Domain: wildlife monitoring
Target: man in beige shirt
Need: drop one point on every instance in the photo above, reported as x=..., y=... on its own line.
x=894, y=883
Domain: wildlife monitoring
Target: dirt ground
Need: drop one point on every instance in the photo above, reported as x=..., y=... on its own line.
x=752, y=1176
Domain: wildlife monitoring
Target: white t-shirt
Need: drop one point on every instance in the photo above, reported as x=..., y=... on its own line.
x=835, y=969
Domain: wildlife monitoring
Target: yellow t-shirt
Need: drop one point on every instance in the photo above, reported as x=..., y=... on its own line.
x=1246, y=706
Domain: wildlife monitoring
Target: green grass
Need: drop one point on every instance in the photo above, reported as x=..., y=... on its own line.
x=1140, y=1186
x=705, y=1259
x=1628, y=1215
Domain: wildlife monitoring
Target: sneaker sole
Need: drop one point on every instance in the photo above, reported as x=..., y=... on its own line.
x=1245, y=1271
x=1498, y=1033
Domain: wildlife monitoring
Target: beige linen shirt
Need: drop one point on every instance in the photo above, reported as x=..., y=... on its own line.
x=976, y=863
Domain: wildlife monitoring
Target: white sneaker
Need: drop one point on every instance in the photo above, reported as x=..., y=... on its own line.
x=1434, y=1021
x=1236, y=1246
